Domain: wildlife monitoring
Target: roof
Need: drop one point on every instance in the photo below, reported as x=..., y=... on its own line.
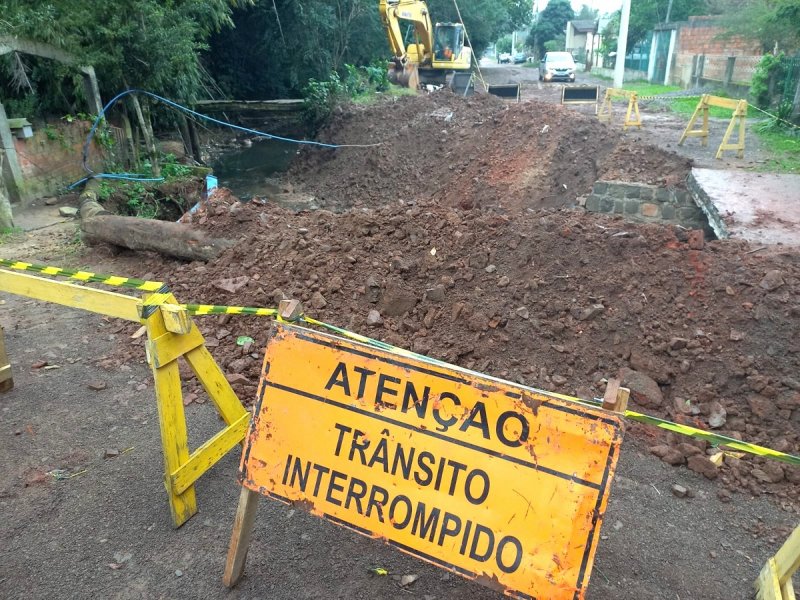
x=584, y=26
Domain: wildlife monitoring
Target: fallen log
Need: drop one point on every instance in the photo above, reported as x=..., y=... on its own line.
x=166, y=238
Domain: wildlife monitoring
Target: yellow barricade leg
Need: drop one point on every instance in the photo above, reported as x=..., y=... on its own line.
x=171, y=336
x=6, y=379
x=172, y=421
x=775, y=580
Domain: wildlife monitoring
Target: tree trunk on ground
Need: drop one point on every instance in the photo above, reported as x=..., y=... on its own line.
x=148, y=136
x=6, y=218
x=166, y=238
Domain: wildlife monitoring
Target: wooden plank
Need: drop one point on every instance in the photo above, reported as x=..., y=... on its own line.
x=169, y=346
x=787, y=559
x=720, y=102
x=207, y=455
x=240, y=538
x=72, y=295
x=176, y=318
x=767, y=584
x=216, y=386
x=6, y=377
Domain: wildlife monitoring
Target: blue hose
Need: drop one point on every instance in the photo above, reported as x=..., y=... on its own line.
x=137, y=177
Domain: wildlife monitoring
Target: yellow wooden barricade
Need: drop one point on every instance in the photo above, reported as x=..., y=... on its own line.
x=739, y=108
x=632, y=117
x=775, y=580
x=171, y=334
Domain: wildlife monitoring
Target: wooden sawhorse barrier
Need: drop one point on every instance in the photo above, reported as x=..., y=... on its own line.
x=775, y=580
x=171, y=334
x=606, y=112
x=739, y=108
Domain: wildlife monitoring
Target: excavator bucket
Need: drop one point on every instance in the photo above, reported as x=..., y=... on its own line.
x=407, y=76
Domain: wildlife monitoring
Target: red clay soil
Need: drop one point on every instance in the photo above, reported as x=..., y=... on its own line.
x=474, y=152
x=557, y=299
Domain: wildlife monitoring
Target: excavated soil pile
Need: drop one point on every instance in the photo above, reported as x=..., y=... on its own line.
x=558, y=299
x=474, y=152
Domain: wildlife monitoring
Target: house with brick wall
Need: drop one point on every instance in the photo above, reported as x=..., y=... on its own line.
x=700, y=51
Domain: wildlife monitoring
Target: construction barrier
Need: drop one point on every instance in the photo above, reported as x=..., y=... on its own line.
x=775, y=580
x=6, y=377
x=171, y=334
x=580, y=94
x=447, y=465
x=509, y=91
x=739, y=108
x=632, y=117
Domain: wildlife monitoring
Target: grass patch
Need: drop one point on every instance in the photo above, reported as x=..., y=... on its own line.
x=530, y=65
x=10, y=234
x=785, y=146
x=394, y=91
x=643, y=88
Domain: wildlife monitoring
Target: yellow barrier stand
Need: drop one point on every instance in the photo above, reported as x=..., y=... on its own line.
x=775, y=580
x=171, y=334
x=739, y=108
x=6, y=378
x=606, y=112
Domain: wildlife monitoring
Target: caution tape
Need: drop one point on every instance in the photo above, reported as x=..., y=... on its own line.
x=85, y=276
x=161, y=292
x=714, y=439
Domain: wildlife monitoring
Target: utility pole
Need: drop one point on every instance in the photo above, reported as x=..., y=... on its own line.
x=622, y=44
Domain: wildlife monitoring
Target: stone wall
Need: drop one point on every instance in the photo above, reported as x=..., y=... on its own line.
x=646, y=203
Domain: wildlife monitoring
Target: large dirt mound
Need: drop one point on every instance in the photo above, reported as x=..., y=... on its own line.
x=558, y=299
x=474, y=152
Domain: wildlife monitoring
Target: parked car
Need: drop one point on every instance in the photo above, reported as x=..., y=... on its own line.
x=505, y=57
x=519, y=58
x=556, y=66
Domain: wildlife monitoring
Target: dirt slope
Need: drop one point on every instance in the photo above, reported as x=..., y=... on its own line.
x=558, y=299
x=474, y=152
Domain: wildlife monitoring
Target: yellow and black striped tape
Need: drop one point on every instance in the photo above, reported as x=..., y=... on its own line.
x=87, y=276
x=161, y=292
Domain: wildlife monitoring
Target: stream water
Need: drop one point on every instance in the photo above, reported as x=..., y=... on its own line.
x=246, y=171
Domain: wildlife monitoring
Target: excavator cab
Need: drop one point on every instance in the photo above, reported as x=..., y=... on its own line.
x=449, y=41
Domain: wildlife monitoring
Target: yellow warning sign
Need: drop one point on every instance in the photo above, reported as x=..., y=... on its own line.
x=482, y=477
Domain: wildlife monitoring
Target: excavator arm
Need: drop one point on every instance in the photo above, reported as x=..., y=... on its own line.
x=415, y=12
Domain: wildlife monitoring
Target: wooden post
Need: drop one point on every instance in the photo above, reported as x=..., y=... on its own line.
x=196, y=154
x=616, y=397
x=131, y=145
x=148, y=135
x=240, y=538
x=6, y=377
x=11, y=171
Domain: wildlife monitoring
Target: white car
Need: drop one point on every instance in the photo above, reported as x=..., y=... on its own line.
x=505, y=57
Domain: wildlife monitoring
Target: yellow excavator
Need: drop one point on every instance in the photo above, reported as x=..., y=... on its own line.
x=430, y=52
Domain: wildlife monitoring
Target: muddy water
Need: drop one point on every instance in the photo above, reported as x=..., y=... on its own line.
x=247, y=171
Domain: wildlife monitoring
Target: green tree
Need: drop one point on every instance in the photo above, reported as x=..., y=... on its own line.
x=148, y=44
x=503, y=44
x=773, y=23
x=587, y=13
x=646, y=14
x=552, y=23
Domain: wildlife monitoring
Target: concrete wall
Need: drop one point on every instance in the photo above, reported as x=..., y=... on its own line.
x=703, y=36
x=51, y=159
x=646, y=203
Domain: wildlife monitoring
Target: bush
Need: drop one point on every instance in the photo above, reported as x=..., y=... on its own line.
x=768, y=78
x=322, y=96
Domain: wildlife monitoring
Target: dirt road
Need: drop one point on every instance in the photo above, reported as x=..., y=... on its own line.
x=106, y=531
x=83, y=511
